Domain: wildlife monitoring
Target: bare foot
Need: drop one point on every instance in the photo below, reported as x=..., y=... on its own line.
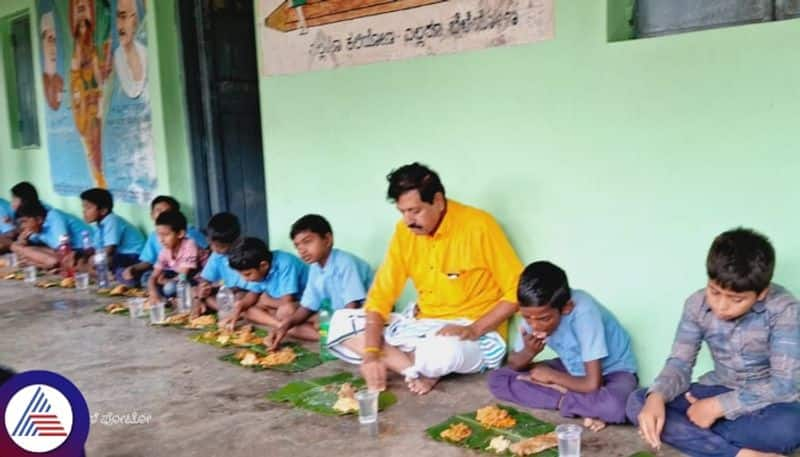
x=752, y=453
x=594, y=425
x=421, y=385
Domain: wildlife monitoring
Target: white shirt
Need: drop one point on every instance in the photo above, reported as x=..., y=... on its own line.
x=131, y=88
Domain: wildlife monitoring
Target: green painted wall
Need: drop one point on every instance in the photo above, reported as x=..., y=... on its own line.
x=620, y=161
x=166, y=95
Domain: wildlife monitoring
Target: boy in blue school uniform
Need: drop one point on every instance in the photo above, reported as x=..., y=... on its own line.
x=7, y=226
x=41, y=232
x=749, y=405
x=6, y=217
x=22, y=193
x=274, y=281
x=121, y=241
x=595, y=370
x=337, y=277
x=138, y=272
x=223, y=231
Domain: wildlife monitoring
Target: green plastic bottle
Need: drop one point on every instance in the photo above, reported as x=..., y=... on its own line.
x=324, y=325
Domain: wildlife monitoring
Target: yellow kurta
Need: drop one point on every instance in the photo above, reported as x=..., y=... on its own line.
x=462, y=271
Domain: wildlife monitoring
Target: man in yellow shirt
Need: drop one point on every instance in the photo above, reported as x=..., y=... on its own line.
x=465, y=273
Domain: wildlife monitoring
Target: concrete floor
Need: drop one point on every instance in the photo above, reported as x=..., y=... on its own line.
x=201, y=406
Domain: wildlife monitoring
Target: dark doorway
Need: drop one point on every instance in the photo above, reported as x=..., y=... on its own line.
x=221, y=78
x=27, y=133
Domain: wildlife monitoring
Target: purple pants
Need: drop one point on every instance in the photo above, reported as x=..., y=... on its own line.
x=606, y=403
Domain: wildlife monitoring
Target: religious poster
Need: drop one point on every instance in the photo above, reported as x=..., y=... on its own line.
x=306, y=35
x=97, y=110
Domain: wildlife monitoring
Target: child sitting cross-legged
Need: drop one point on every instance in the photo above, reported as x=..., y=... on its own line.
x=179, y=256
x=596, y=368
x=118, y=238
x=274, y=280
x=139, y=273
x=337, y=277
x=749, y=404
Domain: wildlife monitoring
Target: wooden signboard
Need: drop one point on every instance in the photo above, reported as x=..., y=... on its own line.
x=307, y=35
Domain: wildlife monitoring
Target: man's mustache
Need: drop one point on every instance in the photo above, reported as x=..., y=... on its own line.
x=415, y=226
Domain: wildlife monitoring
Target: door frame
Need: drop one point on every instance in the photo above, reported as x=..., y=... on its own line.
x=208, y=167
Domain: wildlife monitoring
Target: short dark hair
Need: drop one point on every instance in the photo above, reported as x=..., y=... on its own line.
x=26, y=192
x=543, y=284
x=224, y=228
x=414, y=176
x=741, y=260
x=31, y=209
x=173, y=219
x=165, y=199
x=248, y=253
x=99, y=197
x=312, y=223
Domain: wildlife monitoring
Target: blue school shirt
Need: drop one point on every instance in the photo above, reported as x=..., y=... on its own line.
x=344, y=279
x=6, y=216
x=116, y=231
x=152, y=247
x=589, y=332
x=217, y=269
x=287, y=275
x=57, y=223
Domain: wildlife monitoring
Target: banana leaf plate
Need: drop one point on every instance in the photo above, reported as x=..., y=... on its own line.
x=305, y=359
x=526, y=427
x=205, y=338
x=320, y=394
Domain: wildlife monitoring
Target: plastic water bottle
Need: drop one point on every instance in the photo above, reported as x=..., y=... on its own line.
x=65, y=257
x=225, y=301
x=101, y=268
x=324, y=325
x=183, y=294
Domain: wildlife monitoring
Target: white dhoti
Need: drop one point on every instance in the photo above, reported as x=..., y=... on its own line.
x=434, y=355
